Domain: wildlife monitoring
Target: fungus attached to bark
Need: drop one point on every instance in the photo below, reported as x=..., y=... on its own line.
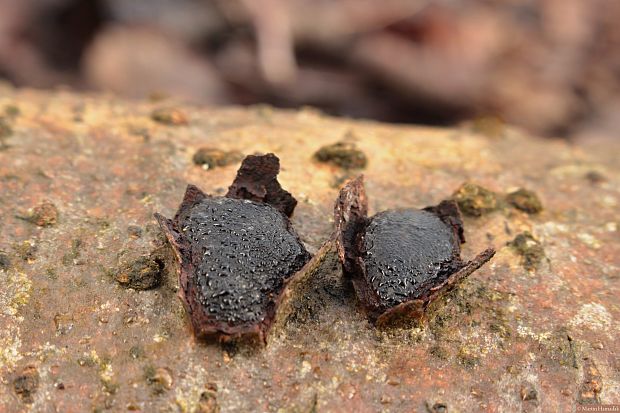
x=237, y=253
x=400, y=260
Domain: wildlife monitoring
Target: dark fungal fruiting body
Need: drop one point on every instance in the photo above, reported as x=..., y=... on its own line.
x=405, y=251
x=248, y=251
x=399, y=261
x=236, y=255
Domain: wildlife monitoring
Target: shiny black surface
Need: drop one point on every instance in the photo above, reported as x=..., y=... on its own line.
x=406, y=252
x=243, y=252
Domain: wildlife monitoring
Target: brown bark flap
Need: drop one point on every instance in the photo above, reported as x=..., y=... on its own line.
x=257, y=181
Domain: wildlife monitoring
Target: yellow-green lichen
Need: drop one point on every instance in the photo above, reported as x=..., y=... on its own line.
x=525, y=200
x=10, y=343
x=475, y=200
x=15, y=292
x=529, y=248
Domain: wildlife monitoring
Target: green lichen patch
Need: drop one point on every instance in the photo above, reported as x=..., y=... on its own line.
x=501, y=328
x=344, y=155
x=525, y=200
x=15, y=292
x=169, y=116
x=209, y=158
x=10, y=343
x=475, y=200
x=5, y=128
x=142, y=273
x=476, y=323
x=529, y=248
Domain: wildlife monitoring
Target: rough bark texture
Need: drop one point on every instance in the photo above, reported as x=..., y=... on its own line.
x=509, y=338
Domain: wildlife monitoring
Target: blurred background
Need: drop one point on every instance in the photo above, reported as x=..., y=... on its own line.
x=550, y=66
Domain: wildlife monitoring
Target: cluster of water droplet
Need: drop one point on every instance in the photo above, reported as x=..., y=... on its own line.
x=406, y=253
x=245, y=252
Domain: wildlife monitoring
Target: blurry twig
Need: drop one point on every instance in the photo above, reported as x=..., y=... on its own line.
x=276, y=58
